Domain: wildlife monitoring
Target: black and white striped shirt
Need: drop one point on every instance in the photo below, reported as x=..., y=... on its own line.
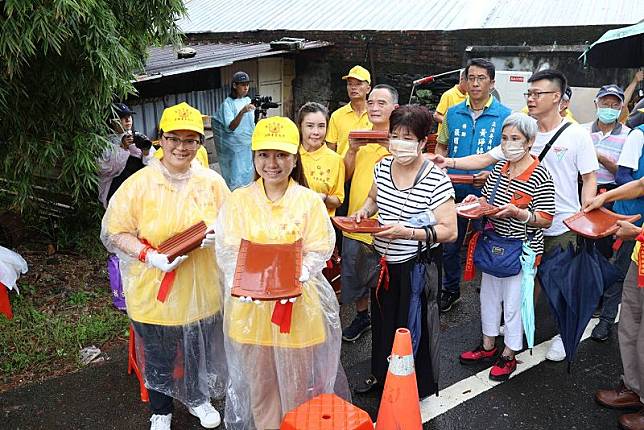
x=533, y=190
x=432, y=190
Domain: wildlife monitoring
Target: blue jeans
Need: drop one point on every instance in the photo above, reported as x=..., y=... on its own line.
x=613, y=294
x=452, y=259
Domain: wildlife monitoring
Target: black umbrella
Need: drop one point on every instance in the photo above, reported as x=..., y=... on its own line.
x=619, y=48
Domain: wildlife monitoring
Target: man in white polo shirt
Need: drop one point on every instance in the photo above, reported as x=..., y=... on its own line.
x=570, y=155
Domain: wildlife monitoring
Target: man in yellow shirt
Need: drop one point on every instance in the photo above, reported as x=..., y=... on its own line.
x=451, y=97
x=630, y=392
x=353, y=115
x=359, y=258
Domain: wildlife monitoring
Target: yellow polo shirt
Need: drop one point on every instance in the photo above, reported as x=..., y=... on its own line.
x=324, y=172
x=342, y=121
x=449, y=98
x=361, y=182
x=201, y=157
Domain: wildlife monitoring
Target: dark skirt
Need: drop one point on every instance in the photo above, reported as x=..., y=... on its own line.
x=389, y=311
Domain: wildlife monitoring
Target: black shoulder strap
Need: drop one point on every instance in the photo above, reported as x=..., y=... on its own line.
x=555, y=137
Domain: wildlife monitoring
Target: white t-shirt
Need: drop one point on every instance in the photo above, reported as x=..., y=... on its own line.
x=571, y=154
x=632, y=150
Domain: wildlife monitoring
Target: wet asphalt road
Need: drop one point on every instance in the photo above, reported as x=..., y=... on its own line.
x=544, y=397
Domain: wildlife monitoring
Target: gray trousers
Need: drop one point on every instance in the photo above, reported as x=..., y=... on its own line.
x=631, y=333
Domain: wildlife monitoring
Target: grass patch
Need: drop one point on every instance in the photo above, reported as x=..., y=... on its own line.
x=64, y=305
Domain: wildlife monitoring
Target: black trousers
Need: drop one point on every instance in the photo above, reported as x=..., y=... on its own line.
x=390, y=311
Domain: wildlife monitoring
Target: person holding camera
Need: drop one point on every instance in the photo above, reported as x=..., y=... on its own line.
x=235, y=125
x=128, y=152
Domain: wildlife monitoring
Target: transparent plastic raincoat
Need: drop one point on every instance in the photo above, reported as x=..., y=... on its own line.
x=271, y=372
x=179, y=341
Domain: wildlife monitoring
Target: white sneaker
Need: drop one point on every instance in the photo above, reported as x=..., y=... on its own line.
x=556, y=351
x=207, y=414
x=160, y=422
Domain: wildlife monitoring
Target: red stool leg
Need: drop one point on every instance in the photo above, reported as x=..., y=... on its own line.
x=132, y=365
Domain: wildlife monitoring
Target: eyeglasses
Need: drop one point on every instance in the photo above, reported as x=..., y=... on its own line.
x=537, y=94
x=479, y=78
x=187, y=143
x=616, y=106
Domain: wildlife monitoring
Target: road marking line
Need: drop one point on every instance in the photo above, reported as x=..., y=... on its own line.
x=468, y=388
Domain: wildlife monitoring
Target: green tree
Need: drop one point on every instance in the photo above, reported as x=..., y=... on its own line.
x=63, y=63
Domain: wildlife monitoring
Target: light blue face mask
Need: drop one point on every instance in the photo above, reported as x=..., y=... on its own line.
x=607, y=115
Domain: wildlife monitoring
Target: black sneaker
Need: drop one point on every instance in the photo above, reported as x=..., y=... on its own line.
x=601, y=332
x=448, y=300
x=359, y=325
x=368, y=385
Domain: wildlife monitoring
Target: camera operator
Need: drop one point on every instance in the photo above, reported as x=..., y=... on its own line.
x=235, y=123
x=127, y=153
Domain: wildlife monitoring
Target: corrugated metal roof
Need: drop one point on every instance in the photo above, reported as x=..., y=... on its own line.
x=164, y=62
x=218, y=16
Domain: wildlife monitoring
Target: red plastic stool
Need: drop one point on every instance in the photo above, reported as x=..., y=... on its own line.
x=327, y=412
x=132, y=364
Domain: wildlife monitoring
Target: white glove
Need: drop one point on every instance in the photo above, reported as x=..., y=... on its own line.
x=305, y=275
x=160, y=261
x=209, y=240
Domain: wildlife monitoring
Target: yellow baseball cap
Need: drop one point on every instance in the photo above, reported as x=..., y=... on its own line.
x=276, y=132
x=181, y=117
x=359, y=73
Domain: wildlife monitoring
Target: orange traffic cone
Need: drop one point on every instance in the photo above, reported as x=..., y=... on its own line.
x=399, y=406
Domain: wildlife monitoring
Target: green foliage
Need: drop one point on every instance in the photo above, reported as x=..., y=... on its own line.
x=63, y=63
x=40, y=340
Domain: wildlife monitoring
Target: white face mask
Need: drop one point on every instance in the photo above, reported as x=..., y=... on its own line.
x=513, y=150
x=404, y=151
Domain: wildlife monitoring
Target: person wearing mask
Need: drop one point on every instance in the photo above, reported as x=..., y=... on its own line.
x=565, y=149
x=524, y=190
x=323, y=167
x=359, y=257
x=470, y=127
x=353, y=115
x=235, y=122
x=175, y=306
x=406, y=187
x=272, y=369
x=629, y=393
x=608, y=134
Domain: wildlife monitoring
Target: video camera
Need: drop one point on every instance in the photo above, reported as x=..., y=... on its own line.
x=262, y=104
x=140, y=140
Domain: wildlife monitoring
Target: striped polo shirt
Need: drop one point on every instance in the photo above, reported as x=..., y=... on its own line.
x=533, y=189
x=609, y=145
x=401, y=205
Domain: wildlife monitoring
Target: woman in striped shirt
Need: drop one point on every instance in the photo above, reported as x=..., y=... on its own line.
x=407, y=193
x=526, y=195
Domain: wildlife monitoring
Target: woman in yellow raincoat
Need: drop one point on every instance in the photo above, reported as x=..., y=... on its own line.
x=272, y=372
x=179, y=340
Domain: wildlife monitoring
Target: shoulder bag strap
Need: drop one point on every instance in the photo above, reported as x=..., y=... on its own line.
x=555, y=137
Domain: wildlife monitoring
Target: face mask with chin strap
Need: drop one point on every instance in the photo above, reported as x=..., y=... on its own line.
x=404, y=151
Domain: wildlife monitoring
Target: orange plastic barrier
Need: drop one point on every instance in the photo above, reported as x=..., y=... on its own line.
x=399, y=406
x=327, y=412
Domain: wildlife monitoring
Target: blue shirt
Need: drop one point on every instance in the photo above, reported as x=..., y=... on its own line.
x=635, y=206
x=469, y=136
